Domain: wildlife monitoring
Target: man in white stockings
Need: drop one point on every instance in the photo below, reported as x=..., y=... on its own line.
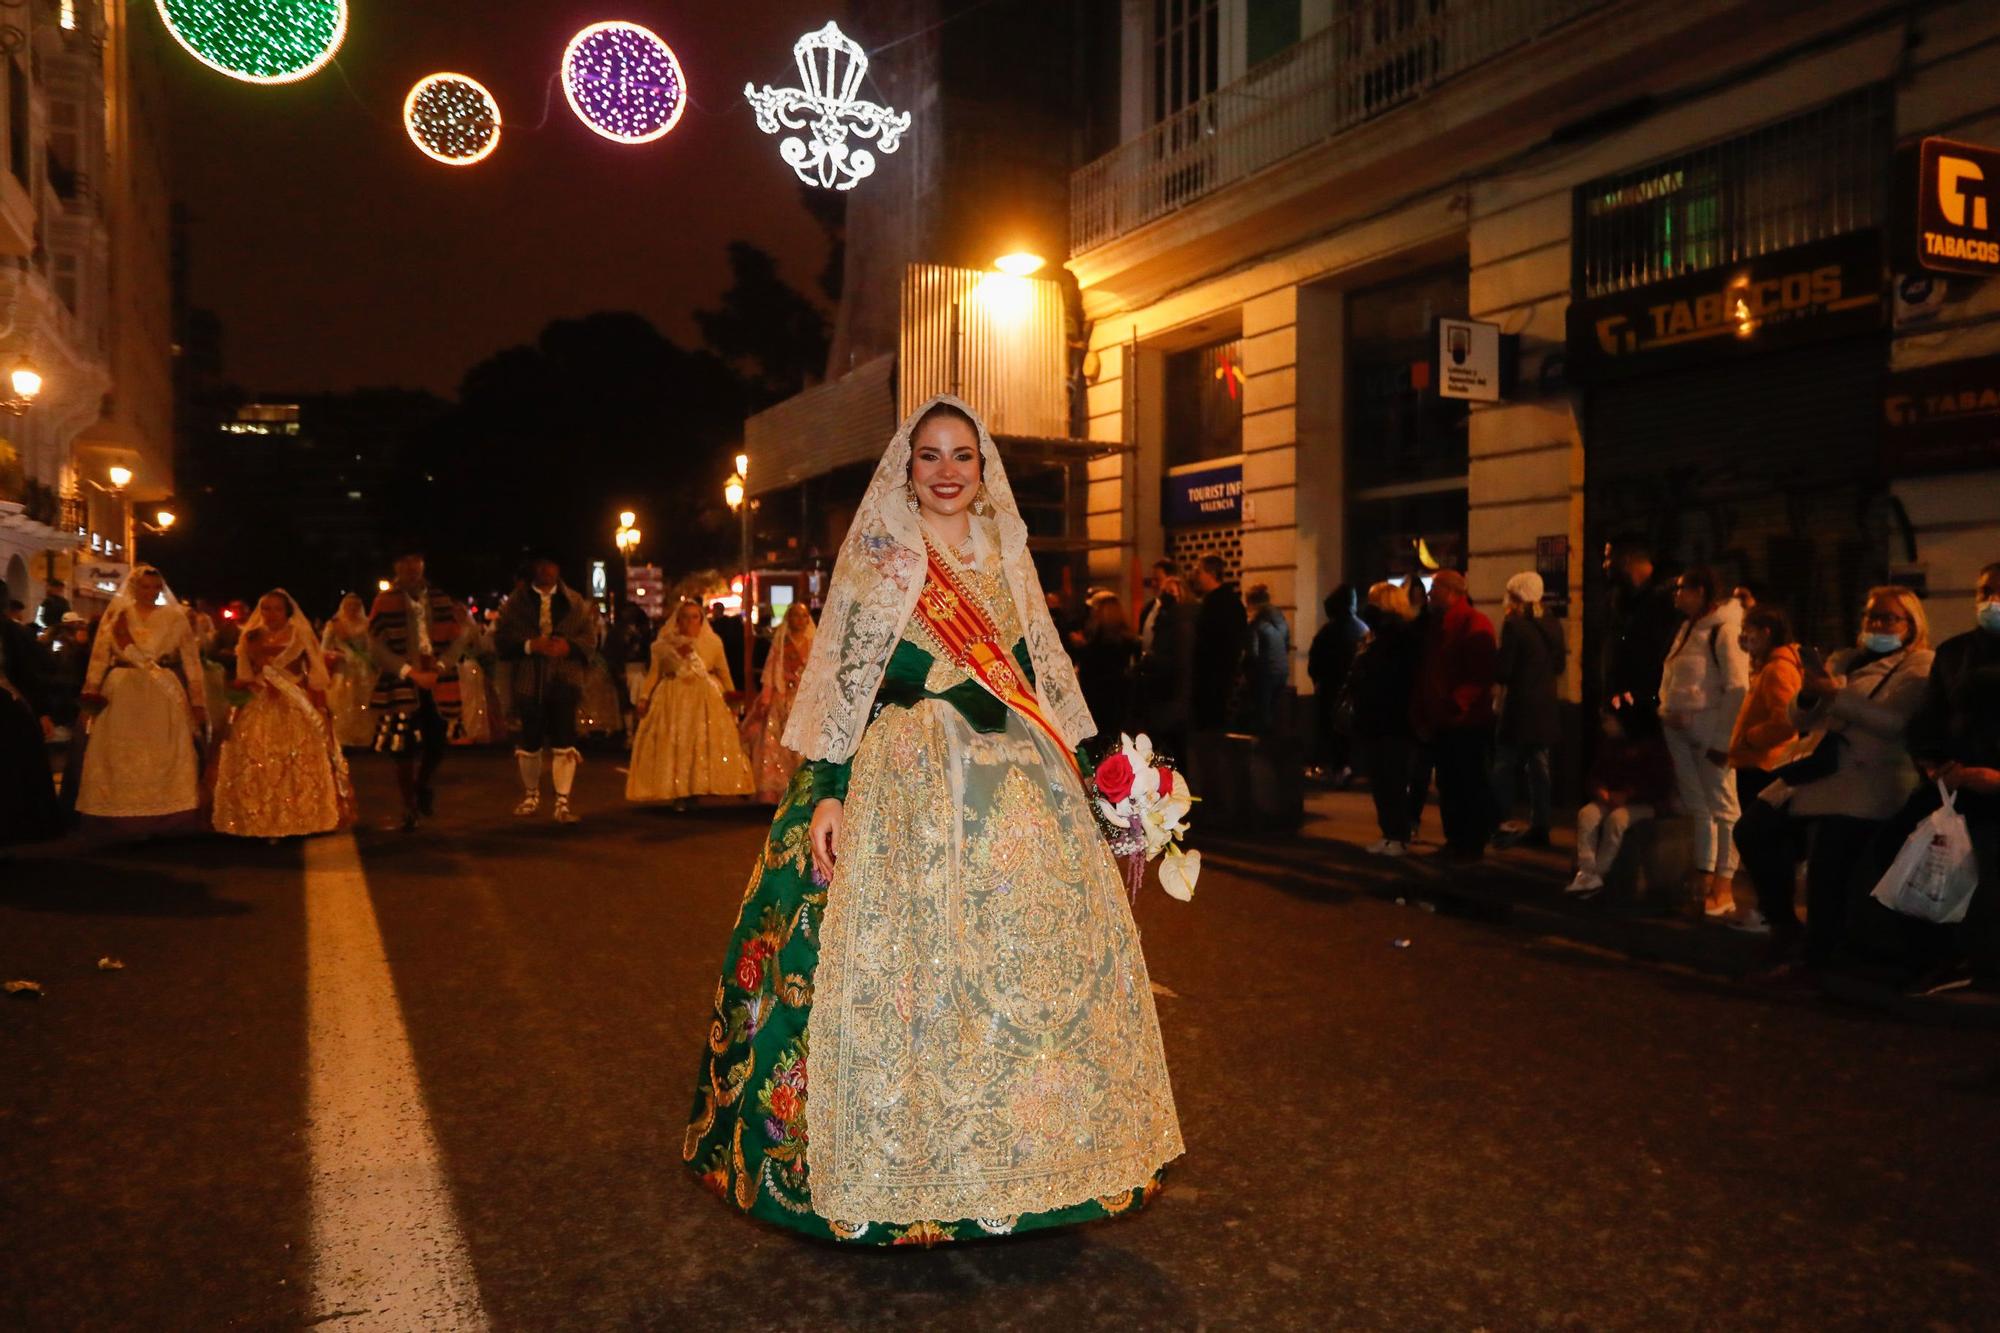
x=547, y=630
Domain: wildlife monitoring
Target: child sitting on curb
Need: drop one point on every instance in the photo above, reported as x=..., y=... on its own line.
x=1629, y=781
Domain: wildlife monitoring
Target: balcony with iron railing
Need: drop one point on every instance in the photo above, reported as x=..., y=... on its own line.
x=1375, y=56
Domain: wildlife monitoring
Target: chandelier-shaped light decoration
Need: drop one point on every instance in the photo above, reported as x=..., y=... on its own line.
x=258, y=41
x=452, y=119
x=831, y=67
x=624, y=82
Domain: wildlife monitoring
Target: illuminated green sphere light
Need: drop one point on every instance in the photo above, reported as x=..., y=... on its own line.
x=258, y=41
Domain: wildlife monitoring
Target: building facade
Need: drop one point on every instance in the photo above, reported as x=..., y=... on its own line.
x=1689, y=218
x=84, y=274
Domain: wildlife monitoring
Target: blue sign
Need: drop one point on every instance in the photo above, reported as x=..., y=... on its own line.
x=1203, y=495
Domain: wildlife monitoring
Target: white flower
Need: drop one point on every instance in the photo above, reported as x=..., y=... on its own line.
x=1178, y=872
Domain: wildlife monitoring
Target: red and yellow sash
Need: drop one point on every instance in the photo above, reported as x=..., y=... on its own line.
x=955, y=617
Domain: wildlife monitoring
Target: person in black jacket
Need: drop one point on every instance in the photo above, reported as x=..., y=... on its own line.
x=1104, y=668
x=1328, y=661
x=1954, y=737
x=1222, y=632
x=28, y=808
x=1166, y=668
x=1643, y=624
x=1383, y=675
x=1532, y=654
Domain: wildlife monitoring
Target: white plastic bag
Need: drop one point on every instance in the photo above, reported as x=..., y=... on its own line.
x=1934, y=875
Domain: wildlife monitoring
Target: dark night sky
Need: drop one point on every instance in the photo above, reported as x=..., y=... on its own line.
x=337, y=255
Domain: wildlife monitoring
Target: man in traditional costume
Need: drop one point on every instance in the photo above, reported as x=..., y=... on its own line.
x=546, y=631
x=936, y=946
x=416, y=634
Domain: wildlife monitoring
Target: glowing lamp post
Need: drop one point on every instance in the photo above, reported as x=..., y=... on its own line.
x=736, y=492
x=24, y=385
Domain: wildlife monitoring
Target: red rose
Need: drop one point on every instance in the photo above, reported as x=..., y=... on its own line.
x=1114, y=777
x=749, y=972
x=1166, y=781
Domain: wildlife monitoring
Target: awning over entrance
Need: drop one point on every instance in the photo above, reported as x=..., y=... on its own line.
x=846, y=421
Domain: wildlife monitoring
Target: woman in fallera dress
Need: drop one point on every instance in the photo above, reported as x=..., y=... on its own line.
x=140, y=773
x=934, y=1021
x=771, y=764
x=352, y=665
x=281, y=773
x=686, y=744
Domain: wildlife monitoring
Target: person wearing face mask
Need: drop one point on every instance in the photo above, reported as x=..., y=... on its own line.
x=1954, y=737
x=1836, y=797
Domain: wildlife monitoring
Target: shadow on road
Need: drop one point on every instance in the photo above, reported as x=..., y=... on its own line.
x=106, y=888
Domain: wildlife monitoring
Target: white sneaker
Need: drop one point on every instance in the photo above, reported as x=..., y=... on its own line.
x=1585, y=882
x=1395, y=849
x=529, y=804
x=1752, y=922
x=1378, y=847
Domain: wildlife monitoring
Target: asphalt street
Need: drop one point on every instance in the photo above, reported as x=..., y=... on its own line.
x=1395, y=1119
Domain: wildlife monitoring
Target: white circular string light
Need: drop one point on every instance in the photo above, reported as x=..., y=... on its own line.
x=452, y=119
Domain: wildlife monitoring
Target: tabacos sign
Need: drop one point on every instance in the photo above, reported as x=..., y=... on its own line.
x=1942, y=418
x=1958, y=207
x=1830, y=288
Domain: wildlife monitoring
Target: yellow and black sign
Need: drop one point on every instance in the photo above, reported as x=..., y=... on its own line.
x=1828, y=289
x=1958, y=207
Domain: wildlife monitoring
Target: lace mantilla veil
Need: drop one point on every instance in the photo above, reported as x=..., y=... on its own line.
x=876, y=580
x=303, y=643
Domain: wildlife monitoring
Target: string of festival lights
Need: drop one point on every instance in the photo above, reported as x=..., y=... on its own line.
x=621, y=79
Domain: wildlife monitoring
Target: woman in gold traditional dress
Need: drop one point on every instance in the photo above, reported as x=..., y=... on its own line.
x=934, y=1021
x=352, y=664
x=281, y=773
x=771, y=764
x=686, y=745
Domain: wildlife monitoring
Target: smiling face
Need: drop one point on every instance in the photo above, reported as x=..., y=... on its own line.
x=944, y=464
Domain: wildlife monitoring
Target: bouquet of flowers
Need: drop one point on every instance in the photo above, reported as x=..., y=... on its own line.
x=1142, y=802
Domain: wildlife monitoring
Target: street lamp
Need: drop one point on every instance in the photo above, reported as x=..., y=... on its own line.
x=736, y=492
x=24, y=386
x=121, y=477
x=1020, y=264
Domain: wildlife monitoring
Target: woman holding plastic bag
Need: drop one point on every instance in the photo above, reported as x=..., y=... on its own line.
x=1851, y=710
x=1955, y=739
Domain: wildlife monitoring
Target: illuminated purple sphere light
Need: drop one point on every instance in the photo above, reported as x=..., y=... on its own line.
x=623, y=82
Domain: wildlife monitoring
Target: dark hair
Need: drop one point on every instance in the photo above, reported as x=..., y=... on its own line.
x=1341, y=601
x=1173, y=569
x=1630, y=546
x=1989, y=571
x=1215, y=565
x=1703, y=578
x=1772, y=620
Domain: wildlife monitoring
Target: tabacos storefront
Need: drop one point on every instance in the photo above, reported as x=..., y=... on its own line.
x=1730, y=415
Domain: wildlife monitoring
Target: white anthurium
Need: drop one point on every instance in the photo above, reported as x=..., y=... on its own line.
x=1178, y=872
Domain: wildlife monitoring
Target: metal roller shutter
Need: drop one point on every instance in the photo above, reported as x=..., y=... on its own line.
x=1764, y=468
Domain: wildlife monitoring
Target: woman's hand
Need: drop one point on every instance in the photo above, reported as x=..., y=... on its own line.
x=827, y=822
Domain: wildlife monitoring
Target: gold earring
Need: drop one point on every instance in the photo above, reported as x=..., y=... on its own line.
x=910, y=499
